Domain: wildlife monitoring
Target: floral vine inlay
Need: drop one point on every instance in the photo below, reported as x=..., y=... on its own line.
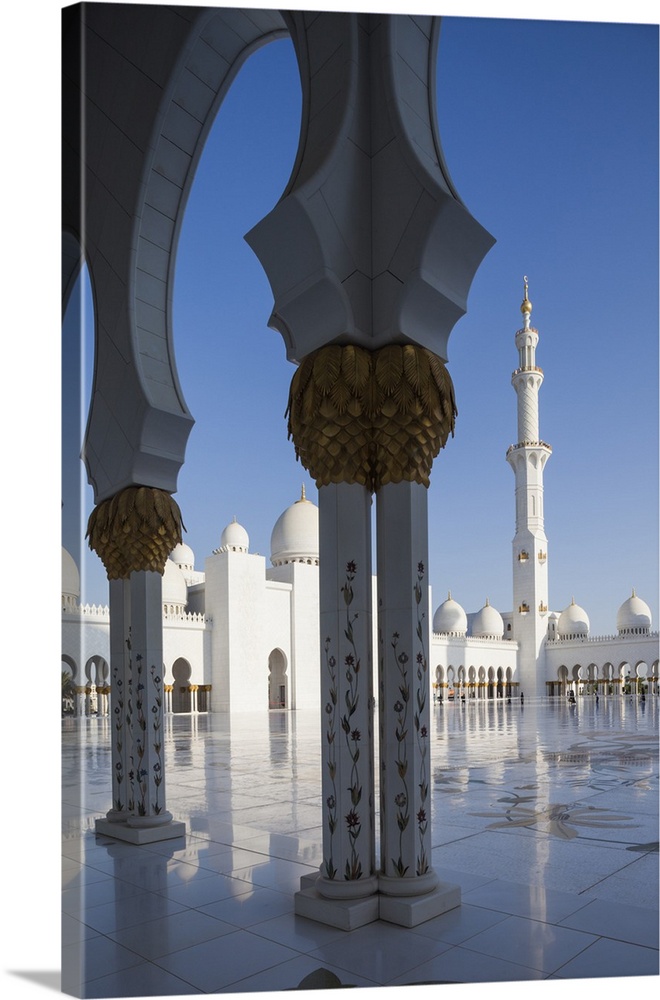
x=402, y=798
x=331, y=732
x=352, y=736
x=421, y=730
x=118, y=727
x=145, y=729
x=401, y=732
x=353, y=869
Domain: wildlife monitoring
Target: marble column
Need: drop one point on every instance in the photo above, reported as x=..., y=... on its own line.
x=409, y=888
x=139, y=812
x=343, y=894
x=122, y=802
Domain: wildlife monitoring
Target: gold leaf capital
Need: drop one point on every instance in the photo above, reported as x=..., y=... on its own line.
x=136, y=529
x=370, y=417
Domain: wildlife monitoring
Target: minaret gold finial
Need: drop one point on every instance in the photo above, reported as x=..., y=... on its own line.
x=526, y=306
x=302, y=492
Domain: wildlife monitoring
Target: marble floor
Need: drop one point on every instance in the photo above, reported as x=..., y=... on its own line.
x=545, y=815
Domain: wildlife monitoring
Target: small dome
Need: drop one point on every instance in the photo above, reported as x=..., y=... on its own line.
x=234, y=538
x=634, y=616
x=175, y=591
x=450, y=618
x=183, y=556
x=488, y=623
x=295, y=537
x=70, y=580
x=573, y=622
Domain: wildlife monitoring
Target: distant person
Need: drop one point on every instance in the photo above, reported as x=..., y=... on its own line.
x=522, y=699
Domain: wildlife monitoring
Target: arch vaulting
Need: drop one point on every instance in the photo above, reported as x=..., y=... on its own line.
x=135, y=160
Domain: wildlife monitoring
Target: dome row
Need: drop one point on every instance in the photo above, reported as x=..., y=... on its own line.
x=450, y=619
x=633, y=617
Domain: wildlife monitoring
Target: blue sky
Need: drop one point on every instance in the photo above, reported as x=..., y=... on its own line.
x=550, y=132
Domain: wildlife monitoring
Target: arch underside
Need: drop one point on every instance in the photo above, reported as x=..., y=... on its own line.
x=135, y=161
x=389, y=276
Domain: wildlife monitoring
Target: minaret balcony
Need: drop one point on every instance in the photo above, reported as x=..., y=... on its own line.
x=523, y=556
x=527, y=368
x=529, y=444
x=543, y=608
x=542, y=556
x=523, y=608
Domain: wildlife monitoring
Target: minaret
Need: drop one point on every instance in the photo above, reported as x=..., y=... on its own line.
x=530, y=550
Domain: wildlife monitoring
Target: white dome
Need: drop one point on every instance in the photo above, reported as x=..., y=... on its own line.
x=175, y=591
x=183, y=556
x=488, y=623
x=450, y=618
x=295, y=537
x=234, y=538
x=70, y=579
x=573, y=622
x=634, y=615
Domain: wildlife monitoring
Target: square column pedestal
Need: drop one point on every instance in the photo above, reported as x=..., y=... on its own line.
x=349, y=914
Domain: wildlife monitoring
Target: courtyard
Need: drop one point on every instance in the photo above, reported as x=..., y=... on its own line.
x=545, y=814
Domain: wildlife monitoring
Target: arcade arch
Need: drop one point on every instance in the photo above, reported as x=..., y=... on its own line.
x=181, y=692
x=278, y=680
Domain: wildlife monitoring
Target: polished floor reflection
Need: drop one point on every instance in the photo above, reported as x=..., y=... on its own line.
x=545, y=814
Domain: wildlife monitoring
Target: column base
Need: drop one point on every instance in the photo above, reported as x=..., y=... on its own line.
x=349, y=914
x=409, y=911
x=346, y=914
x=141, y=834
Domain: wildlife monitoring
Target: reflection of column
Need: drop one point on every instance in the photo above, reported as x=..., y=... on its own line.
x=168, y=699
x=81, y=694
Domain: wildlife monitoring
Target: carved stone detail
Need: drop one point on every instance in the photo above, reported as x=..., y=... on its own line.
x=370, y=417
x=135, y=530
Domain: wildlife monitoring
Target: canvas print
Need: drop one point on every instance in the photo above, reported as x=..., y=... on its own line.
x=359, y=500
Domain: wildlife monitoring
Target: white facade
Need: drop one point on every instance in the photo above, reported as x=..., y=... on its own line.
x=242, y=635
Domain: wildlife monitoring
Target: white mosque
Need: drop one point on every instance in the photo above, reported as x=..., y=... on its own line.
x=242, y=636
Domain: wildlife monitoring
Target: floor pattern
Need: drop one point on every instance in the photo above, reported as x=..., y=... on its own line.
x=546, y=815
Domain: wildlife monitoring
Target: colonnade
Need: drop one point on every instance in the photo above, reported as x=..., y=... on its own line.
x=370, y=254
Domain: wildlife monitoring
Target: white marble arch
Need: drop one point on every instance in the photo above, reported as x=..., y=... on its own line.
x=278, y=680
x=181, y=693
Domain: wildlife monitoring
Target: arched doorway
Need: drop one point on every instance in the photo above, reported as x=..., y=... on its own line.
x=562, y=680
x=642, y=674
x=97, y=674
x=181, y=693
x=277, y=680
x=68, y=685
x=439, y=684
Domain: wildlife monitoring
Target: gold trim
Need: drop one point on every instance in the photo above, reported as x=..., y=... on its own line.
x=135, y=530
x=370, y=417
